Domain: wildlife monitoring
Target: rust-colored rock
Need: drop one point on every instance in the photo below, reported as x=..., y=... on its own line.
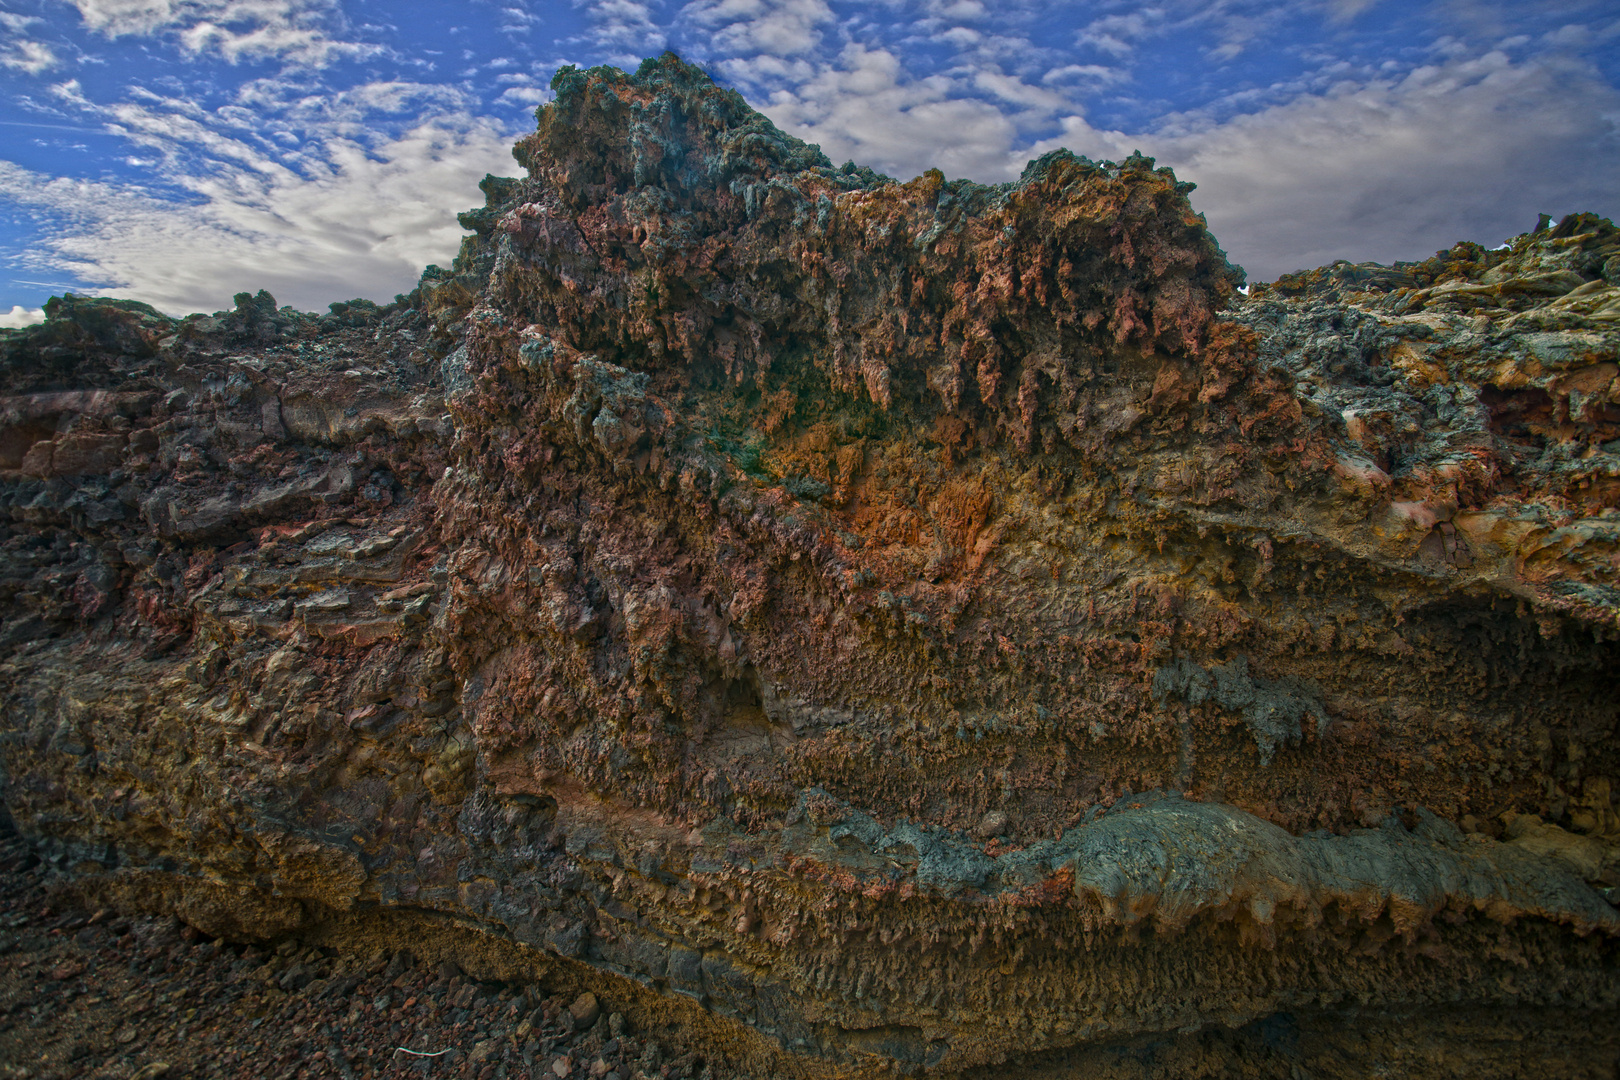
x=916, y=626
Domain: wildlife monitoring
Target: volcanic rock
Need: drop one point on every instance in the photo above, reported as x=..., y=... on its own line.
x=913, y=626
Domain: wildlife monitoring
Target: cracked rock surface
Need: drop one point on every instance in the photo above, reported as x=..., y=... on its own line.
x=918, y=626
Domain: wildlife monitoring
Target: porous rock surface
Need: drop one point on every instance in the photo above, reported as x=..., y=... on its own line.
x=920, y=626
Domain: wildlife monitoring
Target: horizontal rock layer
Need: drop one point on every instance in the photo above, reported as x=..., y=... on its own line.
x=915, y=625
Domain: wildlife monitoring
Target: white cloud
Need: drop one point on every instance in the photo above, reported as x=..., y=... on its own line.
x=1014, y=90
x=297, y=31
x=1343, y=11
x=281, y=187
x=1229, y=26
x=116, y=18
x=20, y=316
x=517, y=20
x=28, y=56
x=1393, y=168
x=868, y=110
x=1117, y=35
x=346, y=212
x=1340, y=162
x=860, y=100
x=1076, y=72
x=261, y=41
x=747, y=27
x=525, y=95
x=21, y=53
x=625, y=25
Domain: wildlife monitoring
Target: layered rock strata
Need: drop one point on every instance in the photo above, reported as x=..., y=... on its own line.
x=906, y=625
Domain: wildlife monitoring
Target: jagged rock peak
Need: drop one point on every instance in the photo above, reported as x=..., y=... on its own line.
x=667, y=126
x=664, y=224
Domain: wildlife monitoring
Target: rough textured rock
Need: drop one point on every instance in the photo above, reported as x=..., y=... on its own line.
x=92, y=993
x=910, y=626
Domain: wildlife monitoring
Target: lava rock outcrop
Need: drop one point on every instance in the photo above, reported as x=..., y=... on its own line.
x=909, y=626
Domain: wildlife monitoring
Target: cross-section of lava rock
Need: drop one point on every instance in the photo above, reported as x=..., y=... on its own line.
x=893, y=625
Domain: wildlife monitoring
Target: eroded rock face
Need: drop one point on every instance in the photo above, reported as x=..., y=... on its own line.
x=917, y=624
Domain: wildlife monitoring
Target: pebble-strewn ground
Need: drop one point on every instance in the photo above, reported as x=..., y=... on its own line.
x=91, y=994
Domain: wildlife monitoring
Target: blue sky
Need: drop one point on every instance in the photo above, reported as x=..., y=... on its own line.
x=179, y=151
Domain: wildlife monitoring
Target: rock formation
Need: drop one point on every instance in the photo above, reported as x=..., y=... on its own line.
x=912, y=626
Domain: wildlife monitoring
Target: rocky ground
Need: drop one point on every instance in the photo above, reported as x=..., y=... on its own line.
x=91, y=994
x=95, y=995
